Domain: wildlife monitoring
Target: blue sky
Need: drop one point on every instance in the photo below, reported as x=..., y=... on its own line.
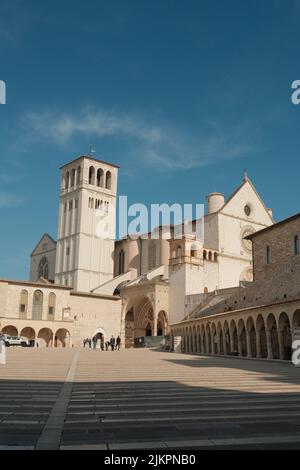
x=183, y=95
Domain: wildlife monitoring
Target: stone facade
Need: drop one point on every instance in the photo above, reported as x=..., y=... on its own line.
x=129, y=287
x=56, y=316
x=258, y=320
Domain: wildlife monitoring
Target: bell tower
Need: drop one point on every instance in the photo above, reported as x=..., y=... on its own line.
x=186, y=273
x=87, y=223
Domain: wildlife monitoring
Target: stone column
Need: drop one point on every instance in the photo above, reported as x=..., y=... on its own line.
x=258, y=348
x=192, y=340
x=239, y=345
x=249, y=349
x=212, y=343
x=122, y=324
x=218, y=344
x=165, y=252
x=224, y=343
x=280, y=343
x=200, y=341
x=231, y=342
x=206, y=341
x=269, y=344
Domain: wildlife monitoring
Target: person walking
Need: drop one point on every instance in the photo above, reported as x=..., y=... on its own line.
x=90, y=343
x=112, y=342
x=118, y=343
x=2, y=349
x=95, y=341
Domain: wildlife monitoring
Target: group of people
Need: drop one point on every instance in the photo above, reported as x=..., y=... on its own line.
x=114, y=343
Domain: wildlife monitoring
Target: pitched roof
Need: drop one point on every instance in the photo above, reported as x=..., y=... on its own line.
x=244, y=182
x=281, y=222
x=45, y=235
x=90, y=158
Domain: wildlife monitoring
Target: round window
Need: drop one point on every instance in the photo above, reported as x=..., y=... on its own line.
x=247, y=243
x=247, y=210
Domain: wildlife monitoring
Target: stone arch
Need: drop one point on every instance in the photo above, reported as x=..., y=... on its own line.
x=162, y=323
x=108, y=180
x=143, y=317
x=43, y=269
x=272, y=331
x=92, y=175
x=62, y=338
x=100, y=177
x=67, y=180
x=246, y=275
x=262, y=350
x=10, y=330
x=29, y=333
x=129, y=328
x=73, y=174
x=78, y=176
x=45, y=338
x=100, y=333
x=37, y=308
x=296, y=320
x=285, y=336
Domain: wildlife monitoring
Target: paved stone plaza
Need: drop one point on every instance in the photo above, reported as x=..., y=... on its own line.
x=129, y=399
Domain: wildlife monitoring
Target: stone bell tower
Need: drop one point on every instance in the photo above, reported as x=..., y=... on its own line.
x=186, y=273
x=87, y=223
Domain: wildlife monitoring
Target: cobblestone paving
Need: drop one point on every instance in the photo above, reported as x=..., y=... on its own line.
x=146, y=399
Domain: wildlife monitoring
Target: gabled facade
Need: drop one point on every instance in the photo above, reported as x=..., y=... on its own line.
x=42, y=260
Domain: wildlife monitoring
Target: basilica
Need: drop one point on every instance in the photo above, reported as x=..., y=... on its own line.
x=82, y=284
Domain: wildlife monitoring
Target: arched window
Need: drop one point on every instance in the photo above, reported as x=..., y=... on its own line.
x=51, y=306
x=23, y=303
x=152, y=255
x=296, y=245
x=73, y=178
x=37, y=309
x=178, y=252
x=100, y=177
x=269, y=254
x=121, y=262
x=44, y=268
x=92, y=175
x=67, y=178
x=108, y=180
x=78, y=176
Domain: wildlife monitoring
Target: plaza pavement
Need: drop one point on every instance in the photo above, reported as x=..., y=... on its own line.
x=140, y=398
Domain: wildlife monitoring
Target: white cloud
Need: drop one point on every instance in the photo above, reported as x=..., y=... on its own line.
x=161, y=145
x=8, y=199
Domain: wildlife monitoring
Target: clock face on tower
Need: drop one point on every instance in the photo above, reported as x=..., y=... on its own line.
x=247, y=243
